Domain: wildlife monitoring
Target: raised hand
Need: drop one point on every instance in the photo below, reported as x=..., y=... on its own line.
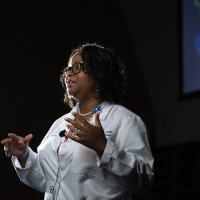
x=89, y=135
x=15, y=145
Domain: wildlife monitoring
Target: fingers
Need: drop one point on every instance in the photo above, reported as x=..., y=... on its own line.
x=97, y=120
x=75, y=124
x=6, y=141
x=19, y=139
x=79, y=122
x=75, y=137
x=14, y=144
x=78, y=127
x=13, y=136
x=28, y=138
x=83, y=132
x=81, y=119
x=7, y=149
x=74, y=131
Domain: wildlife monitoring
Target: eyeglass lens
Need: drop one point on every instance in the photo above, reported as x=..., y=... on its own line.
x=75, y=68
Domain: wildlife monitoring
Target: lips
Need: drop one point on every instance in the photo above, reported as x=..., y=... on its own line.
x=70, y=83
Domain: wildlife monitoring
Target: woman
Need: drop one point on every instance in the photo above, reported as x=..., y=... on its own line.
x=97, y=151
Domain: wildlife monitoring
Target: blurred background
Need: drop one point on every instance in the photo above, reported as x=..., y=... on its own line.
x=155, y=40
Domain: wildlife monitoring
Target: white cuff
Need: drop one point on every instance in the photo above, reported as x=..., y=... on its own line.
x=17, y=164
x=106, y=154
x=24, y=156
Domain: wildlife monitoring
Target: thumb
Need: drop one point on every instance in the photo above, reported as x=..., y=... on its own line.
x=28, y=138
x=97, y=120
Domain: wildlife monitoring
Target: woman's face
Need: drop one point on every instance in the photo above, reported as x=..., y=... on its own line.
x=79, y=85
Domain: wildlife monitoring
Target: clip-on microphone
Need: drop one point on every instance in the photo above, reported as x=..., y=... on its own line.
x=62, y=133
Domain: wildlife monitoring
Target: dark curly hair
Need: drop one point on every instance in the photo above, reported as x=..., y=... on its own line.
x=106, y=68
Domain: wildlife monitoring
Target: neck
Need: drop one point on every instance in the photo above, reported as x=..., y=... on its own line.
x=88, y=105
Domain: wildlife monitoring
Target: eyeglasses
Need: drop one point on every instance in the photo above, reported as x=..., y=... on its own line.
x=75, y=68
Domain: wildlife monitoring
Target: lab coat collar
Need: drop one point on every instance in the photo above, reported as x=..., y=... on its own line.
x=106, y=108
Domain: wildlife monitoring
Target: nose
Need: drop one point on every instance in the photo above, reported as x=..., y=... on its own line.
x=69, y=72
x=69, y=76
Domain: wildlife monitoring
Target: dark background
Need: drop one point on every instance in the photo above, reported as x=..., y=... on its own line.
x=36, y=39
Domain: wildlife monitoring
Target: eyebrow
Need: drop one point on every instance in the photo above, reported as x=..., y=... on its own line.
x=70, y=65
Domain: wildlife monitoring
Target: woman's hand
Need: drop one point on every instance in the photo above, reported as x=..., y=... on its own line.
x=89, y=135
x=15, y=145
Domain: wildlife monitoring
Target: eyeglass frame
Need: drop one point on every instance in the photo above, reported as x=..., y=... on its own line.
x=70, y=68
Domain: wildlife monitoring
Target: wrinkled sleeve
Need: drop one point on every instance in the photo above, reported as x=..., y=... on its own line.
x=32, y=175
x=127, y=155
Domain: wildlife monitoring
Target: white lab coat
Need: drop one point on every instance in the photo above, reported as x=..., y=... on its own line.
x=76, y=172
